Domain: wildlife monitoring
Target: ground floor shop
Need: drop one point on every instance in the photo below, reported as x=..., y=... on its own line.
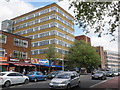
x=21, y=67
x=45, y=68
x=3, y=67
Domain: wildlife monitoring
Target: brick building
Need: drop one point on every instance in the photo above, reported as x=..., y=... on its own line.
x=83, y=37
x=14, y=51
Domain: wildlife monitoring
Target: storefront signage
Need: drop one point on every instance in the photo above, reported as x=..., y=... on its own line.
x=16, y=60
x=3, y=58
x=34, y=61
x=43, y=61
x=40, y=61
x=25, y=60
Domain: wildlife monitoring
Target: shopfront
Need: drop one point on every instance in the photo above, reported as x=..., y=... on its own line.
x=4, y=64
x=21, y=65
x=44, y=64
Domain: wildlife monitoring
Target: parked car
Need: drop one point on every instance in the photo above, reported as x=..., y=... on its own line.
x=65, y=80
x=35, y=76
x=53, y=74
x=115, y=73
x=99, y=75
x=8, y=78
x=109, y=73
x=119, y=72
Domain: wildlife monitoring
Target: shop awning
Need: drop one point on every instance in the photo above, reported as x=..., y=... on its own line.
x=4, y=64
x=22, y=64
x=47, y=65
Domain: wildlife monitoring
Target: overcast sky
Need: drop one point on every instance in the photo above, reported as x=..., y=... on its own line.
x=12, y=8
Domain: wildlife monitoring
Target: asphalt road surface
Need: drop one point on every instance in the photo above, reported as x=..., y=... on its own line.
x=86, y=82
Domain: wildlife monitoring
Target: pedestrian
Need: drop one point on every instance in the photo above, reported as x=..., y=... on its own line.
x=24, y=71
x=45, y=72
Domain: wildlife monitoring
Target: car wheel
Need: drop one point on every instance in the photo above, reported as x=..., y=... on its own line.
x=35, y=80
x=103, y=78
x=45, y=79
x=26, y=81
x=7, y=84
x=93, y=78
x=79, y=84
x=68, y=87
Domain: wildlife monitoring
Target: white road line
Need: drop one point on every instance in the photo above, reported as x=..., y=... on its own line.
x=100, y=83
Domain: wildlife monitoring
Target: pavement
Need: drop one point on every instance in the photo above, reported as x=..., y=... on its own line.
x=112, y=83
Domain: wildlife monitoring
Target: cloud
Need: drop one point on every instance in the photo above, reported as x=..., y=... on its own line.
x=13, y=8
x=65, y=5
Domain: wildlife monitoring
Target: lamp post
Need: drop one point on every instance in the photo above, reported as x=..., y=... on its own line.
x=63, y=56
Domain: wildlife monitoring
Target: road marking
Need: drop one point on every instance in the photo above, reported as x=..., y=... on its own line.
x=100, y=82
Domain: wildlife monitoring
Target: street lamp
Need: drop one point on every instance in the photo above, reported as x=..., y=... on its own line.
x=62, y=55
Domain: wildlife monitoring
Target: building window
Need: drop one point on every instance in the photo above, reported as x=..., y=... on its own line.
x=21, y=43
x=18, y=54
x=3, y=38
x=2, y=52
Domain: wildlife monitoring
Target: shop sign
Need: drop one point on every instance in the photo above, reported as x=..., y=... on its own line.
x=34, y=61
x=25, y=60
x=3, y=58
x=15, y=60
x=43, y=61
x=40, y=61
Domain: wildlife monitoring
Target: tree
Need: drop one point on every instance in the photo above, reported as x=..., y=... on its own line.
x=100, y=17
x=51, y=54
x=82, y=55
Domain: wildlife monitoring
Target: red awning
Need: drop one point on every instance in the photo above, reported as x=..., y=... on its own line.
x=22, y=64
x=4, y=64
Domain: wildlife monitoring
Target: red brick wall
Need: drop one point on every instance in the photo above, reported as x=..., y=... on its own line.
x=83, y=37
x=10, y=47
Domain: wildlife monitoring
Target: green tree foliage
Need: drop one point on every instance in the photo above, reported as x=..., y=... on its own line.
x=82, y=55
x=102, y=16
x=51, y=54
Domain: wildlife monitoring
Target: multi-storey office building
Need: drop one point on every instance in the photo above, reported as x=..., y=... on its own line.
x=100, y=51
x=47, y=25
x=112, y=60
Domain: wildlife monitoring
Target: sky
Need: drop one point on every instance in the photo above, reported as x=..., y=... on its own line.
x=12, y=8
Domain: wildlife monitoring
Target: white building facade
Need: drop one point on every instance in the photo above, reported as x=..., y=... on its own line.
x=112, y=59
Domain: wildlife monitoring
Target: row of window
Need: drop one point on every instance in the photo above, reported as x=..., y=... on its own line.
x=113, y=65
x=43, y=12
x=113, y=61
x=20, y=43
x=113, y=57
x=50, y=41
x=43, y=51
x=53, y=16
x=49, y=33
x=18, y=54
x=53, y=24
x=3, y=38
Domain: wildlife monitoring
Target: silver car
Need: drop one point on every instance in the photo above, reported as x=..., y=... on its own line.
x=99, y=75
x=65, y=80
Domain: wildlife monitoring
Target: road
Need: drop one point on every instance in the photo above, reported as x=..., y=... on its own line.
x=86, y=82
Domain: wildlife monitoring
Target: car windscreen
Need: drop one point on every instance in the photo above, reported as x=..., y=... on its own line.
x=31, y=73
x=63, y=76
x=1, y=74
x=99, y=72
